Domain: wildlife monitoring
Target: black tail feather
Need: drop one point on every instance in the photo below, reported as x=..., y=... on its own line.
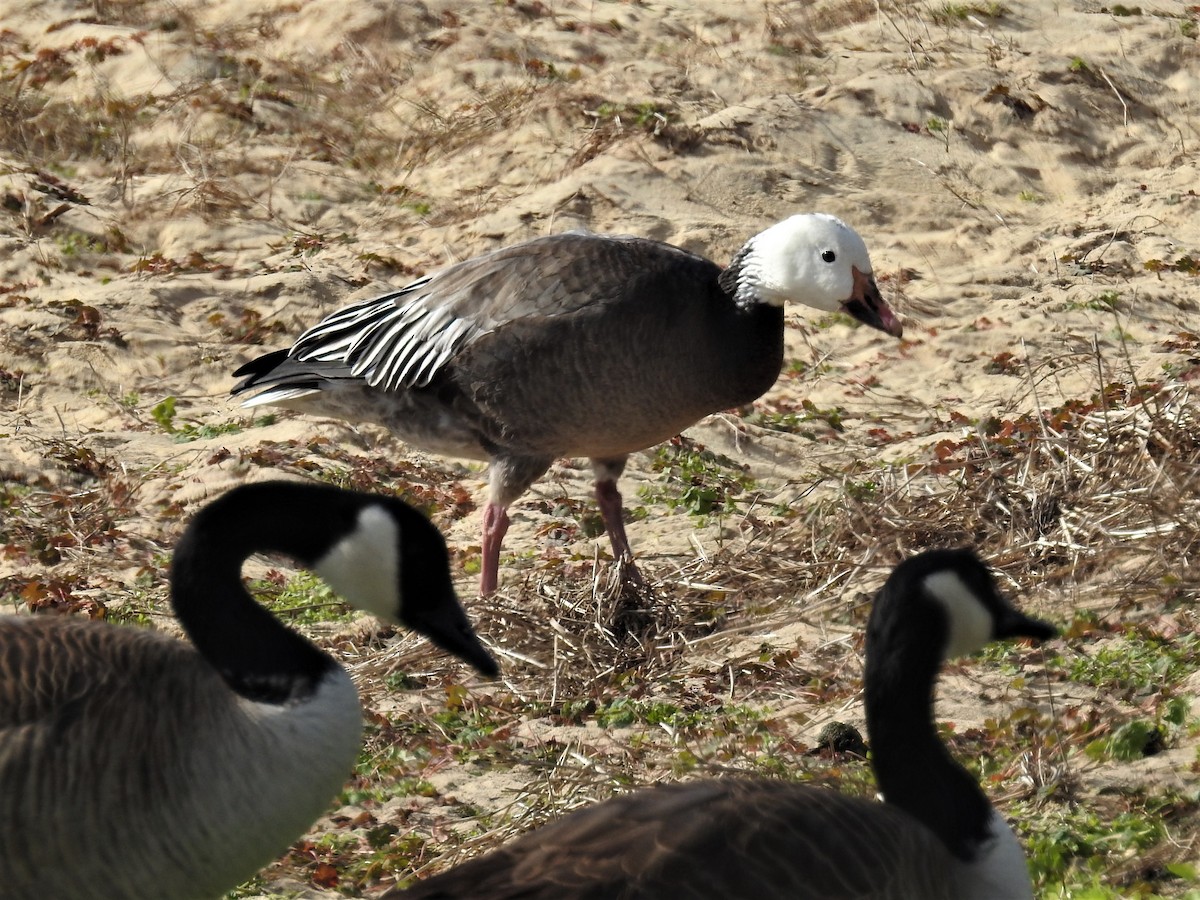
x=258, y=368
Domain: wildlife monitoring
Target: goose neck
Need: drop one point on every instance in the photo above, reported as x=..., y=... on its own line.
x=259, y=657
x=913, y=767
x=740, y=279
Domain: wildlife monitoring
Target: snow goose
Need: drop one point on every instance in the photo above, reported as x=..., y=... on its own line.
x=136, y=766
x=936, y=836
x=570, y=345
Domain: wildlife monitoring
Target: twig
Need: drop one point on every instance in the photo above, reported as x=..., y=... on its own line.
x=1124, y=105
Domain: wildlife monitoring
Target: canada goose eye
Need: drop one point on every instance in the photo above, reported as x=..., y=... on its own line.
x=828, y=255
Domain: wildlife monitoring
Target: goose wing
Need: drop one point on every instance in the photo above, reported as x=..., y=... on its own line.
x=46, y=665
x=51, y=667
x=758, y=840
x=402, y=339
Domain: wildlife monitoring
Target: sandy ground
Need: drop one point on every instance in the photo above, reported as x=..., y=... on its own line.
x=188, y=184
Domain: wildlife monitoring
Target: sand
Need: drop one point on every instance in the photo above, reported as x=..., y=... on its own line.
x=186, y=185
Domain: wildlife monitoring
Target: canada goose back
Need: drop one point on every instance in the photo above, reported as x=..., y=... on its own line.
x=667, y=842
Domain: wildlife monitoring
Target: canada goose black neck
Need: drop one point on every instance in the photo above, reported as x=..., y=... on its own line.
x=914, y=770
x=260, y=658
x=906, y=643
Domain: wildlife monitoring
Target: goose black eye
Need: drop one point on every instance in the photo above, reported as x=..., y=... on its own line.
x=828, y=255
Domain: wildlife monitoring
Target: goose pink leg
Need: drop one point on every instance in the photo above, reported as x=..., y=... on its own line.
x=508, y=478
x=495, y=524
x=612, y=512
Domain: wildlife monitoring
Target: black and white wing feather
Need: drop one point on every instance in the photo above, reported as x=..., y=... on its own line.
x=395, y=341
x=402, y=339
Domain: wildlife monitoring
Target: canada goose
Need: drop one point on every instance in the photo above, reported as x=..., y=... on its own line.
x=134, y=765
x=935, y=837
x=575, y=344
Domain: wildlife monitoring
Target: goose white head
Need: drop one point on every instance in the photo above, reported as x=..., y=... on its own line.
x=820, y=261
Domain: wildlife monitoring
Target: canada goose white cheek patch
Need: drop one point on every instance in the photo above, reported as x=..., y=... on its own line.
x=364, y=566
x=969, y=621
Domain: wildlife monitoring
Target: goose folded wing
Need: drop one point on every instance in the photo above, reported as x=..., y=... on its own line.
x=51, y=667
x=402, y=339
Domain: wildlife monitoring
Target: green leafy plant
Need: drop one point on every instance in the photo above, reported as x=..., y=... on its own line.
x=302, y=598
x=697, y=479
x=1137, y=663
x=166, y=413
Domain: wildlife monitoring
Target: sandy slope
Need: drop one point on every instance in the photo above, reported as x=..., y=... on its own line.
x=229, y=172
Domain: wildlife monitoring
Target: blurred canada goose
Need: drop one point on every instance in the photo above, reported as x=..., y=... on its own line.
x=935, y=837
x=574, y=344
x=134, y=765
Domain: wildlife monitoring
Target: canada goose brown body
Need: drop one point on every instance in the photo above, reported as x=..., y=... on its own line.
x=572, y=345
x=134, y=765
x=935, y=837
x=664, y=843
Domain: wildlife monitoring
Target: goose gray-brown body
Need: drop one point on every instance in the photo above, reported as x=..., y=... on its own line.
x=935, y=838
x=566, y=346
x=134, y=765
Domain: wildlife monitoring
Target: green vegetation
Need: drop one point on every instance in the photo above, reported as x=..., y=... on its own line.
x=1105, y=301
x=1070, y=846
x=302, y=598
x=696, y=479
x=1136, y=663
x=165, y=414
x=800, y=420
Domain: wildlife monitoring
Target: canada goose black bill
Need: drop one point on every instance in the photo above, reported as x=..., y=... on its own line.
x=935, y=836
x=134, y=766
x=571, y=345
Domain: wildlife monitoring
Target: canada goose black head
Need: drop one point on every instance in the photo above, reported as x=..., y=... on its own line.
x=393, y=564
x=947, y=601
